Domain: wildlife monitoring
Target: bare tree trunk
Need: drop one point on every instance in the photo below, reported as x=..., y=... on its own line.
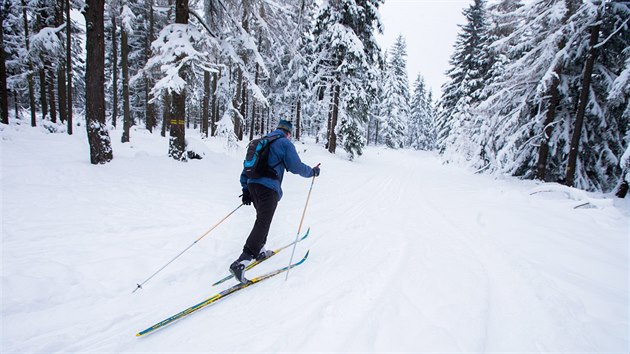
x=124, y=54
x=215, y=104
x=263, y=112
x=177, y=142
x=98, y=137
x=298, y=118
x=31, y=93
x=15, y=103
x=584, y=96
x=4, y=96
x=332, y=137
x=69, y=65
x=42, y=93
x=51, y=95
x=61, y=69
x=114, y=71
x=205, y=111
x=237, y=102
x=166, y=113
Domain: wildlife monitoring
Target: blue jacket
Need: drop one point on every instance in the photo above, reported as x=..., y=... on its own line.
x=282, y=155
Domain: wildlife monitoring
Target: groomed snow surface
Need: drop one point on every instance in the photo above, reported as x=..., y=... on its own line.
x=407, y=254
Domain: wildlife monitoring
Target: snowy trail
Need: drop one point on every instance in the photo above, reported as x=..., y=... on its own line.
x=406, y=255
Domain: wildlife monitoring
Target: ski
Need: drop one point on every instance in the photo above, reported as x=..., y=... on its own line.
x=218, y=297
x=255, y=262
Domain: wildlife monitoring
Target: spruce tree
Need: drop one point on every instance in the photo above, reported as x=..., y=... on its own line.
x=396, y=91
x=470, y=65
x=347, y=58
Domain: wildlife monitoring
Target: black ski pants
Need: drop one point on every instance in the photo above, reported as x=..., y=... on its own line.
x=265, y=201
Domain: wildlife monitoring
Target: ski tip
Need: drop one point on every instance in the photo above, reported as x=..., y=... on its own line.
x=305, y=256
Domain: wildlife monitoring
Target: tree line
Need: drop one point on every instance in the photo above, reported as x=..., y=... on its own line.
x=537, y=90
x=225, y=67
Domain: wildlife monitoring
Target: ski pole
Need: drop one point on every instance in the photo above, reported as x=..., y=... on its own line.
x=139, y=286
x=300, y=227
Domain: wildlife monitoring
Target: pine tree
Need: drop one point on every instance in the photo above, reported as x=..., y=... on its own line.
x=347, y=58
x=397, y=98
x=526, y=95
x=470, y=64
x=421, y=124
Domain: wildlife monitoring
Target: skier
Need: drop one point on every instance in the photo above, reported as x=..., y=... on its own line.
x=266, y=192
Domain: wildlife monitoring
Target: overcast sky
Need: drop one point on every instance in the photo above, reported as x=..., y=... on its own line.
x=430, y=28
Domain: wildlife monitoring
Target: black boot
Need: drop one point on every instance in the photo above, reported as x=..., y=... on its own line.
x=238, y=271
x=238, y=267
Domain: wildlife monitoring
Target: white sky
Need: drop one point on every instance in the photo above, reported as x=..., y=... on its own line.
x=430, y=28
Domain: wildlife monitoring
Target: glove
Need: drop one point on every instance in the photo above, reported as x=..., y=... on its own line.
x=246, y=198
x=316, y=171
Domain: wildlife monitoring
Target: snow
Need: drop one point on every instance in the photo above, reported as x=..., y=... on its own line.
x=407, y=254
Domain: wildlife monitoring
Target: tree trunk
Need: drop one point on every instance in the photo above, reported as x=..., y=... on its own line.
x=166, y=113
x=150, y=115
x=238, y=101
x=622, y=191
x=98, y=137
x=215, y=105
x=15, y=103
x=114, y=71
x=332, y=136
x=61, y=69
x=42, y=92
x=205, y=111
x=51, y=96
x=69, y=65
x=584, y=96
x=4, y=95
x=298, y=118
x=177, y=142
x=29, y=76
x=263, y=112
x=124, y=56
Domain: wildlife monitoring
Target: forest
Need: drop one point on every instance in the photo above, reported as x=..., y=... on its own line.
x=537, y=89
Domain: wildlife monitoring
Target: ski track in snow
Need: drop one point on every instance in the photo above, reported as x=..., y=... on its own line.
x=407, y=255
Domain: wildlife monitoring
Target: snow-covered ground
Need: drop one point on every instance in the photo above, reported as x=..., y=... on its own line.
x=407, y=254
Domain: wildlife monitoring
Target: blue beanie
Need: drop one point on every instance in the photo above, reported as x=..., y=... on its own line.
x=285, y=125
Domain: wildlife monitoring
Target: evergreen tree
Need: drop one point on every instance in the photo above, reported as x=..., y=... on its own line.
x=396, y=92
x=421, y=124
x=470, y=64
x=347, y=58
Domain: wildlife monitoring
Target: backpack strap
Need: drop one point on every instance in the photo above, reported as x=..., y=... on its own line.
x=271, y=139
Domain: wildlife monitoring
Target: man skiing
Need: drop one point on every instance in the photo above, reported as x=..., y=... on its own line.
x=266, y=192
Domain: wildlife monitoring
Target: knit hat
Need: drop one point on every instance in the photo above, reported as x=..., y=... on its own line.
x=285, y=125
